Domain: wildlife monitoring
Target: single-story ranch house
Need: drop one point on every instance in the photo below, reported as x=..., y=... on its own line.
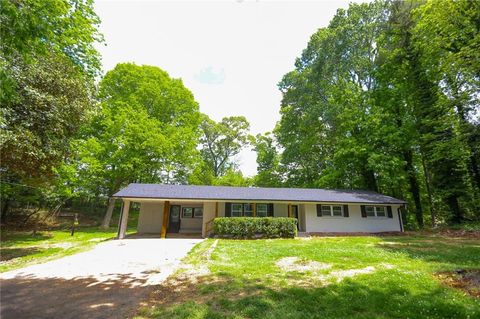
x=187, y=209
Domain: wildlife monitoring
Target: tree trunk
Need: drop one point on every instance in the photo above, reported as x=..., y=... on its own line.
x=369, y=179
x=5, y=205
x=474, y=168
x=457, y=215
x=109, y=213
x=433, y=214
x=414, y=187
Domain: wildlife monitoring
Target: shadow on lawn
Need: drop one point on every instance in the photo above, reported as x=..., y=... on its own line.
x=452, y=252
x=11, y=253
x=227, y=297
x=29, y=297
x=12, y=238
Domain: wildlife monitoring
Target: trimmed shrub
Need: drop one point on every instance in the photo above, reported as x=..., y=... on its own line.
x=255, y=227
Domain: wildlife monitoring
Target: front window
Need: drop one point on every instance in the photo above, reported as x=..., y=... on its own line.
x=187, y=212
x=248, y=210
x=375, y=211
x=337, y=210
x=380, y=211
x=237, y=210
x=192, y=212
x=370, y=211
x=262, y=210
x=332, y=210
x=326, y=210
x=198, y=212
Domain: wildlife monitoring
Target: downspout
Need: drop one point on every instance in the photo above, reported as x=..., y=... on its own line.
x=400, y=220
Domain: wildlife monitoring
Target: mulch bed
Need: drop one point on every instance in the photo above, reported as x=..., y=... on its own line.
x=467, y=280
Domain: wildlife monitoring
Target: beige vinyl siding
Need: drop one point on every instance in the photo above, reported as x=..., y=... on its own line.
x=208, y=213
x=221, y=209
x=189, y=224
x=150, y=218
x=280, y=210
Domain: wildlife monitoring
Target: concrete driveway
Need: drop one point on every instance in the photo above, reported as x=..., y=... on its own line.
x=109, y=281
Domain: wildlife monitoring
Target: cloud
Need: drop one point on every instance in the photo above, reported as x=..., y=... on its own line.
x=210, y=76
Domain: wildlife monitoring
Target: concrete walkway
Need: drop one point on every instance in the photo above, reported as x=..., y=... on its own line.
x=108, y=281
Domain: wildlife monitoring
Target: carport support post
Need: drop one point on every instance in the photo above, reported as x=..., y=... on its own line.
x=166, y=213
x=124, y=220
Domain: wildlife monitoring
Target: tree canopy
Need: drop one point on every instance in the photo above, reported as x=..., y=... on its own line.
x=145, y=131
x=386, y=98
x=47, y=65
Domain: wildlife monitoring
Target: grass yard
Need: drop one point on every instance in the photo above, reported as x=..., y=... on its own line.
x=20, y=249
x=340, y=277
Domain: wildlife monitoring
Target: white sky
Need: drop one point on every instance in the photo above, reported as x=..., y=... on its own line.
x=230, y=54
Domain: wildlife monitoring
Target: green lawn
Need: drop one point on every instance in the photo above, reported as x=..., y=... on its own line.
x=353, y=277
x=20, y=249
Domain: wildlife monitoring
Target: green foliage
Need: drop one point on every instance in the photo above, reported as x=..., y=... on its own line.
x=222, y=141
x=384, y=99
x=145, y=131
x=203, y=175
x=268, y=162
x=258, y=227
x=233, y=178
x=33, y=28
x=53, y=98
x=48, y=63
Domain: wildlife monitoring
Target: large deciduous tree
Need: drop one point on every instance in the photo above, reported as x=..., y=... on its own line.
x=47, y=67
x=146, y=131
x=222, y=141
x=386, y=98
x=268, y=162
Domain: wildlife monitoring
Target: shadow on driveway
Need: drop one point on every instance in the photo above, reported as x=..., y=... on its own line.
x=30, y=297
x=109, y=281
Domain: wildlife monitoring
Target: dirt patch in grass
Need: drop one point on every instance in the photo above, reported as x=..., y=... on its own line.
x=190, y=273
x=466, y=280
x=297, y=264
x=290, y=264
x=186, y=285
x=339, y=275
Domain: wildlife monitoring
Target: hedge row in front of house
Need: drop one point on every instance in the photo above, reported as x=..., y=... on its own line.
x=255, y=227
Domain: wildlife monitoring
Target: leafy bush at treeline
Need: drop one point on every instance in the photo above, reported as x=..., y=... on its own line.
x=258, y=227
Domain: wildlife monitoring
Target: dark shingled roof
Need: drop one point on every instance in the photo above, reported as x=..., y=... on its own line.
x=253, y=194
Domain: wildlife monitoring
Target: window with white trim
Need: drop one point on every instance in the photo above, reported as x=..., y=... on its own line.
x=332, y=210
x=187, y=212
x=248, y=210
x=376, y=211
x=237, y=210
x=198, y=212
x=262, y=210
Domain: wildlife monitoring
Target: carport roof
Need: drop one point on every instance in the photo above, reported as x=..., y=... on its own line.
x=193, y=192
